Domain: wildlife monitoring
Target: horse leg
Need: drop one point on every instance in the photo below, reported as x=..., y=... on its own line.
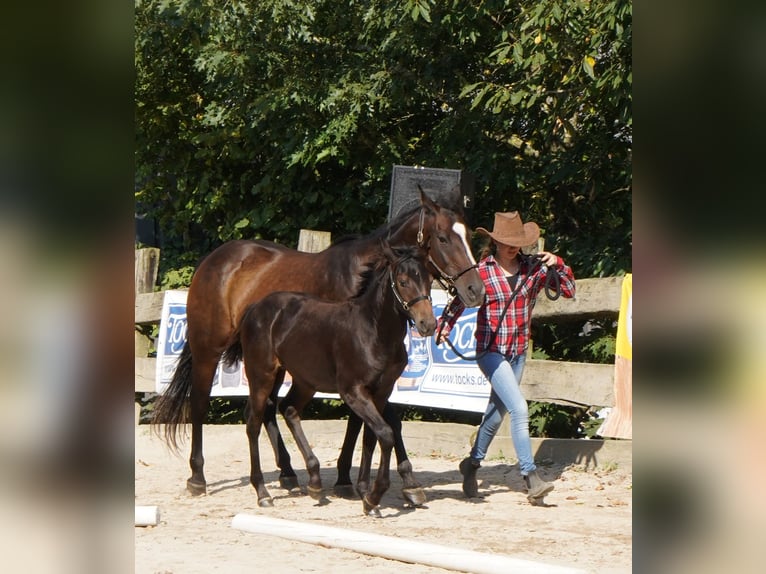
x=343, y=487
x=257, y=406
x=411, y=489
x=287, y=477
x=203, y=372
x=363, y=405
x=291, y=406
x=365, y=465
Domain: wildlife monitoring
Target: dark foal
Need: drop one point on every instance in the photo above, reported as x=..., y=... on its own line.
x=355, y=348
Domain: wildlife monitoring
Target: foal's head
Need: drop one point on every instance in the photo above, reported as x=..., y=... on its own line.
x=411, y=283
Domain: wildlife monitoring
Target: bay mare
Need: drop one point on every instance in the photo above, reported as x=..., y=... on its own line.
x=354, y=348
x=239, y=273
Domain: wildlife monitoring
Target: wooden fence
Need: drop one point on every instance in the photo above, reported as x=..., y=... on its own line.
x=545, y=381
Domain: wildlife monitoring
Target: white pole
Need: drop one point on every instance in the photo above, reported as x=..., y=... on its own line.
x=448, y=557
x=147, y=515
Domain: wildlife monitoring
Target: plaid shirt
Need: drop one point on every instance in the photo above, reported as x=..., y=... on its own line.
x=513, y=335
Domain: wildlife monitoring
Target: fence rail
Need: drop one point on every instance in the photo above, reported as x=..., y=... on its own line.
x=546, y=381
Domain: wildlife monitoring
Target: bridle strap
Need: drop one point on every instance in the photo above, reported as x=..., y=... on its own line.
x=421, y=224
x=448, y=281
x=405, y=304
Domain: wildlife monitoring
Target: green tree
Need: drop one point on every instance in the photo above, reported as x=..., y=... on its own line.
x=256, y=119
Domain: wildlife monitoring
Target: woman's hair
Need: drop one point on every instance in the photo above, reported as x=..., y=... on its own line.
x=489, y=248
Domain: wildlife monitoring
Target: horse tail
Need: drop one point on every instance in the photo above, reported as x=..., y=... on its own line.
x=171, y=408
x=233, y=352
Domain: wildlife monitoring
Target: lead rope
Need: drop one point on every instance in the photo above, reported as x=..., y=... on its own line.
x=552, y=292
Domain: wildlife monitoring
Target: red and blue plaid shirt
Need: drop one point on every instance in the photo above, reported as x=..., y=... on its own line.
x=513, y=335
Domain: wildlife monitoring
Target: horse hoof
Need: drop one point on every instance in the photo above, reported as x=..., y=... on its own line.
x=415, y=496
x=267, y=502
x=370, y=510
x=314, y=492
x=289, y=483
x=345, y=491
x=196, y=488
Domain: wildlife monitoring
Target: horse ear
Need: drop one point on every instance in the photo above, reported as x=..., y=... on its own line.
x=426, y=202
x=388, y=251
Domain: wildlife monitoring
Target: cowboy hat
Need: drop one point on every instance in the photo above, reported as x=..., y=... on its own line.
x=510, y=230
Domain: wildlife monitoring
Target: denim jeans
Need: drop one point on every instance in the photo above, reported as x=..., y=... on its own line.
x=504, y=375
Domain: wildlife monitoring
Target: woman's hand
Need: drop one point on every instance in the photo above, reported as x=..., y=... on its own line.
x=441, y=335
x=548, y=258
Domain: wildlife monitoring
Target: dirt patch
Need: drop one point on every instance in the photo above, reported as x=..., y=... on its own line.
x=586, y=525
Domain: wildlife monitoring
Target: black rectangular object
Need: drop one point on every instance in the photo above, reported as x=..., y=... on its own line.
x=438, y=184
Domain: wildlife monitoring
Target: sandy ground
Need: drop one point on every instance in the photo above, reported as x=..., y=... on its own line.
x=587, y=524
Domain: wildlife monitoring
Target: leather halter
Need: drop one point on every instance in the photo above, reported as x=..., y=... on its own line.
x=405, y=304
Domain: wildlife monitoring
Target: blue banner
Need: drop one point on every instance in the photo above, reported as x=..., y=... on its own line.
x=434, y=377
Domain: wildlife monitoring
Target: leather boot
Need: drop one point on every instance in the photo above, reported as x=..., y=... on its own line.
x=468, y=468
x=536, y=486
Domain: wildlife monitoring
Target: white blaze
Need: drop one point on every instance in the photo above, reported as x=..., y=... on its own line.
x=460, y=229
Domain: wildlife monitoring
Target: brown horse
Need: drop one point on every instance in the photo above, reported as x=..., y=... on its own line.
x=241, y=272
x=355, y=348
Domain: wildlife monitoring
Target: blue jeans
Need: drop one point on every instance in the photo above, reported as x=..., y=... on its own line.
x=504, y=374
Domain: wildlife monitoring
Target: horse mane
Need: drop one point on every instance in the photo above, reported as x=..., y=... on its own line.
x=374, y=270
x=347, y=237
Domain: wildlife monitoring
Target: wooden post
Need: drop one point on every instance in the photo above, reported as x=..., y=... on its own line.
x=313, y=241
x=147, y=267
x=146, y=270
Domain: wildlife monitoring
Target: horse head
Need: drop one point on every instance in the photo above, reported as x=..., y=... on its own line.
x=411, y=284
x=444, y=234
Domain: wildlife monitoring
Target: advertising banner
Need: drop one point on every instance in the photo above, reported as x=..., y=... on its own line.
x=434, y=376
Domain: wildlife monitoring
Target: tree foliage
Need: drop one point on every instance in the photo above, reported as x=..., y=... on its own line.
x=257, y=119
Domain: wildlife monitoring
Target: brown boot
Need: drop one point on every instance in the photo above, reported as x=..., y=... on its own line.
x=536, y=486
x=468, y=468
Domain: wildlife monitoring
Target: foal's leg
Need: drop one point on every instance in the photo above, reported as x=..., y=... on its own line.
x=363, y=405
x=369, y=440
x=287, y=478
x=411, y=489
x=343, y=484
x=259, y=394
x=291, y=406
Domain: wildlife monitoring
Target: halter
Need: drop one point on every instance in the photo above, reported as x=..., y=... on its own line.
x=444, y=279
x=405, y=304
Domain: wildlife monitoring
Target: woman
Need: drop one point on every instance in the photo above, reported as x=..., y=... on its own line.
x=501, y=348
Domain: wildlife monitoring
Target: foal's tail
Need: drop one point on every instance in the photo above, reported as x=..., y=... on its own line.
x=234, y=352
x=172, y=408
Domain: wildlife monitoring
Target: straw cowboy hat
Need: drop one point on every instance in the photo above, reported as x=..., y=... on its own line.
x=510, y=230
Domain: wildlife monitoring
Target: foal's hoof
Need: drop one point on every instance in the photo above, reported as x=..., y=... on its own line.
x=344, y=491
x=196, y=488
x=290, y=483
x=314, y=492
x=267, y=502
x=371, y=510
x=415, y=496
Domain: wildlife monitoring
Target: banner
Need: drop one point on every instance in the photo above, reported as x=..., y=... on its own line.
x=434, y=376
